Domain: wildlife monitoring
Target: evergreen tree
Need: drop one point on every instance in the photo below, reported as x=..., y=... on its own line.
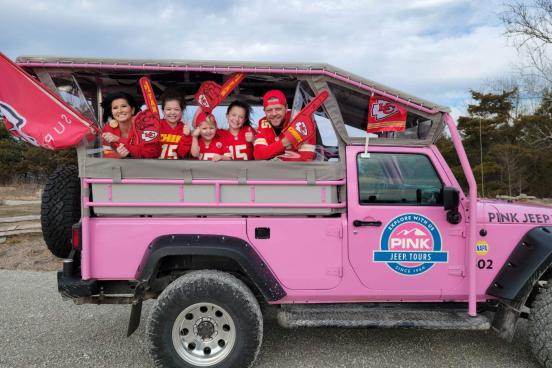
x=489, y=124
x=23, y=162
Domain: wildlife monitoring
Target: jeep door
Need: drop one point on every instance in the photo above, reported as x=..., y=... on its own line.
x=400, y=242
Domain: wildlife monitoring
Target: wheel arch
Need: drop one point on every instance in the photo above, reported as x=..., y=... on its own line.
x=515, y=282
x=187, y=252
x=529, y=260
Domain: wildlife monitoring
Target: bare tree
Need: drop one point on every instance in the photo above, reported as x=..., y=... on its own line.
x=529, y=25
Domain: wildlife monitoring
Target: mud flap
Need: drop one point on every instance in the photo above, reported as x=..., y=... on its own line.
x=136, y=310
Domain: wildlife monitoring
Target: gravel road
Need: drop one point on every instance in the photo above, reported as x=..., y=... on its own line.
x=38, y=329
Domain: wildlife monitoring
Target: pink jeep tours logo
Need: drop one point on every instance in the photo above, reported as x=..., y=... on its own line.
x=410, y=245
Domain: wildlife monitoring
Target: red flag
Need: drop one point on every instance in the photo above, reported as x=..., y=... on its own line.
x=385, y=116
x=35, y=114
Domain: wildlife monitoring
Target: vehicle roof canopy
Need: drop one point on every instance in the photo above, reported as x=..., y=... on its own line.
x=346, y=107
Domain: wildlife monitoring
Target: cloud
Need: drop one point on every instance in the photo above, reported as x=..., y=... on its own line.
x=436, y=49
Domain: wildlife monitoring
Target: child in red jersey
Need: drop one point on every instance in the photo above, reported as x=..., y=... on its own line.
x=240, y=134
x=175, y=136
x=206, y=145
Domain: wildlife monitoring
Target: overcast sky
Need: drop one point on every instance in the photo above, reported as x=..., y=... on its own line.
x=435, y=49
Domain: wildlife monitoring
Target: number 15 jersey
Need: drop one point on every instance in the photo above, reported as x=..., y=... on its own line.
x=239, y=147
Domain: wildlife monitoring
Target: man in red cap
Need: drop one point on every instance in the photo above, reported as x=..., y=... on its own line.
x=270, y=141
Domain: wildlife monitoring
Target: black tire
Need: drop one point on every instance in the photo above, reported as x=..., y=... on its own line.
x=540, y=327
x=60, y=209
x=196, y=300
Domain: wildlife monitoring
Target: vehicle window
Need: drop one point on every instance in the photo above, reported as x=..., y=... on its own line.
x=401, y=179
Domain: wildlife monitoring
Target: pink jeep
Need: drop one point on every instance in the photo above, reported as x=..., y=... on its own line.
x=384, y=239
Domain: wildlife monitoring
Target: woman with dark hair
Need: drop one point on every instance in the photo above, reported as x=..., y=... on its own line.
x=118, y=110
x=240, y=134
x=119, y=136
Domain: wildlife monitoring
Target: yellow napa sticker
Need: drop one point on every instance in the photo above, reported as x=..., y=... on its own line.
x=481, y=248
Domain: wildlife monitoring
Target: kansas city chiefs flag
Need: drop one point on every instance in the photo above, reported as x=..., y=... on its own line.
x=385, y=116
x=36, y=115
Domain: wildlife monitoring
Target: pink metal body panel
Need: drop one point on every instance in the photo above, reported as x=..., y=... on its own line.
x=115, y=246
x=505, y=223
x=304, y=253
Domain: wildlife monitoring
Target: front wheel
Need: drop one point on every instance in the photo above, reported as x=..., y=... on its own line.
x=540, y=326
x=205, y=319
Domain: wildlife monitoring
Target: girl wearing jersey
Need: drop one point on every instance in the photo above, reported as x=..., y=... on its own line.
x=206, y=145
x=240, y=134
x=175, y=136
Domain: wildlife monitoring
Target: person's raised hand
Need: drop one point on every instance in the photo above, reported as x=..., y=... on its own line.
x=122, y=150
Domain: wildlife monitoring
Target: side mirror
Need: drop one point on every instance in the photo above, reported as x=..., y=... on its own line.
x=451, y=198
x=451, y=201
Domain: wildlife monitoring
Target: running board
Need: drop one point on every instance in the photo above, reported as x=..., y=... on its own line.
x=381, y=315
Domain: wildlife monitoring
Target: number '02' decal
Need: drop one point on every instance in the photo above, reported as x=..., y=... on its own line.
x=486, y=264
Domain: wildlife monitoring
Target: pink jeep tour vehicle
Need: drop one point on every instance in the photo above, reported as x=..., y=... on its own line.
x=371, y=233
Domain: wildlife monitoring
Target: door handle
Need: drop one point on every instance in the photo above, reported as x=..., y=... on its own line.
x=358, y=223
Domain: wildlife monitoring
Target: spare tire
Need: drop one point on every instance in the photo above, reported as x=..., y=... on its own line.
x=60, y=209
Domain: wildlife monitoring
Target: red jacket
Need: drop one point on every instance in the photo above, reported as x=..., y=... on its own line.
x=268, y=145
x=136, y=147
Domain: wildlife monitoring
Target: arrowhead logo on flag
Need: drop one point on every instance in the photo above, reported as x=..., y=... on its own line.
x=36, y=115
x=203, y=101
x=385, y=116
x=14, y=122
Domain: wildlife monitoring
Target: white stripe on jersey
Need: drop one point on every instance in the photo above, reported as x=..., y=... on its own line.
x=306, y=148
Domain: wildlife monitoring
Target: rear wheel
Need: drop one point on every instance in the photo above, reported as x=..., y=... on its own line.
x=60, y=209
x=205, y=319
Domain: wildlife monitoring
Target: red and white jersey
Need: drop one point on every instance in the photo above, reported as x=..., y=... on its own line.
x=239, y=147
x=268, y=145
x=174, y=144
x=215, y=147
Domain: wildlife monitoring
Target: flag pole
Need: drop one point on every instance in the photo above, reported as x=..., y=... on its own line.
x=366, y=154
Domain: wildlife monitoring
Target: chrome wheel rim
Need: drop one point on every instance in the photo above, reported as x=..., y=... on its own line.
x=204, y=334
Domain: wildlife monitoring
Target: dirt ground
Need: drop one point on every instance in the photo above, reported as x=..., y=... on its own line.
x=26, y=251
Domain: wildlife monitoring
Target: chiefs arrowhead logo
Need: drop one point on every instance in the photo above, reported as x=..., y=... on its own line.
x=383, y=109
x=301, y=127
x=203, y=101
x=149, y=135
x=14, y=122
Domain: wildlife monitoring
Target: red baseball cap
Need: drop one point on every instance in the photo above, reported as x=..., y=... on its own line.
x=274, y=97
x=201, y=117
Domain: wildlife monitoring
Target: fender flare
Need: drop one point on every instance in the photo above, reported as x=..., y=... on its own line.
x=229, y=247
x=525, y=265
